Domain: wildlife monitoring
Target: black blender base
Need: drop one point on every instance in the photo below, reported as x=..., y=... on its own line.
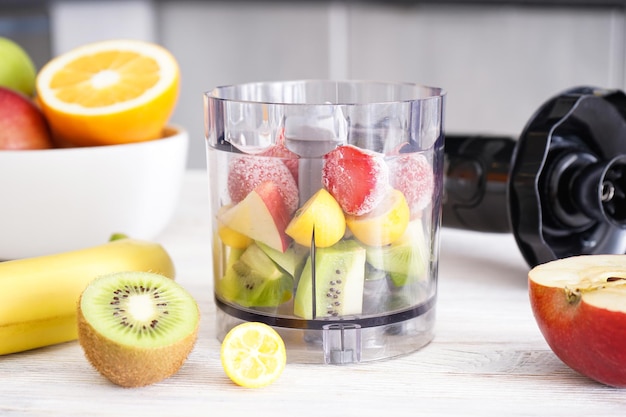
x=560, y=188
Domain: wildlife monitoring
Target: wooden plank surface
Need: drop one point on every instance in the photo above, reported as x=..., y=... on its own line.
x=487, y=359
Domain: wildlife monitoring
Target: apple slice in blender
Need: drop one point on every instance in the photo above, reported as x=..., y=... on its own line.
x=579, y=304
x=404, y=260
x=261, y=216
x=230, y=237
x=254, y=280
x=338, y=274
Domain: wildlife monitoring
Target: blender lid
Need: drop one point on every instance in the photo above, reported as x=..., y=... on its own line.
x=567, y=184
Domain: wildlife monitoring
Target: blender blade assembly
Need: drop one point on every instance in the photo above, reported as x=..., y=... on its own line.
x=560, y=188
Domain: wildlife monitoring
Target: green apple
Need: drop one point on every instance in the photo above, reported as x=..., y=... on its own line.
x=17, y=70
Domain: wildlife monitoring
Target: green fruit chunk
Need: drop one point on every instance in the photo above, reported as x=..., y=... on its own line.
x=254, y=280
x=339, y=278
x=137, y=328
x=233, y=255
x=17, y=70
x=406, y=259
x=292, y=260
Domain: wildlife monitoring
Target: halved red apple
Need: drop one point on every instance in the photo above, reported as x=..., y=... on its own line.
x=262, y=216
x=580, y=307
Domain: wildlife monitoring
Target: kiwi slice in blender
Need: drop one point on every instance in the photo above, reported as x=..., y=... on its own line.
x=292, y=260
x=332, y=284
x=137, y=328
x=255, y=280
x=405, y=260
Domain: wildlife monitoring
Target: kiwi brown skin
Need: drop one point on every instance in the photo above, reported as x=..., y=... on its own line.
x=132, y=366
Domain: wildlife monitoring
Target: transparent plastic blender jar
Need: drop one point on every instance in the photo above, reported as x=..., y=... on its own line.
x=326, y=208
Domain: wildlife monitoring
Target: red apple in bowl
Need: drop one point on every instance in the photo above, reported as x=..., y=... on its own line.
x=580, y=307
x=22, y=124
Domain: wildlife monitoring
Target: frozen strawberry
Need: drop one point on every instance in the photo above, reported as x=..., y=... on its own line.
x=358, y=179
x=246, y=172
x=289, y=158
x=411, y=174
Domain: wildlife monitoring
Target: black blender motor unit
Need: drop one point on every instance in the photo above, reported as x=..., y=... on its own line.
x=560, y=187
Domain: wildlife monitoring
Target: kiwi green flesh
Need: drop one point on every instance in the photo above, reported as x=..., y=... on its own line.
x=139, y=310
x=254, y=280
x=339, y=279
x=291, y=261
x=256, y=260
x=121, y=354
x=233, y=256
x=405, y=260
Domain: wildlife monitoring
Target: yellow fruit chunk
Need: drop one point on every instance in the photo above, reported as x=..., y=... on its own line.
x=230, y=237
x=109, y=92
x=383, y=225
x=253, y=355
x=233, y=238
x=321, y=213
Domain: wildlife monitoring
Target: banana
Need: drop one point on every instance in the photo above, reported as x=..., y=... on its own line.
x=39, y=296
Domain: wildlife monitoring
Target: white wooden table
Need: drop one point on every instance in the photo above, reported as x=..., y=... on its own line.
x=487, y=359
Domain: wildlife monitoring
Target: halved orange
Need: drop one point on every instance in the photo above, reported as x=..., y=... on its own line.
x=109, y=92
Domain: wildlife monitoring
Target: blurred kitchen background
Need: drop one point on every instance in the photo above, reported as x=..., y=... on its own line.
x=498, y=60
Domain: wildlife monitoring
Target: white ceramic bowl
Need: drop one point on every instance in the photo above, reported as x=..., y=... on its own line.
x=57, y=200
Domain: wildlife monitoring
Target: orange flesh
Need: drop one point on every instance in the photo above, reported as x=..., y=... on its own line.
x=126, y=75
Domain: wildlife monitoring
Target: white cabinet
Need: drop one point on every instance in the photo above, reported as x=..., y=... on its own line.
x=498, y=63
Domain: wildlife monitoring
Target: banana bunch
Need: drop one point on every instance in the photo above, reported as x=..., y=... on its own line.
x=38, y=296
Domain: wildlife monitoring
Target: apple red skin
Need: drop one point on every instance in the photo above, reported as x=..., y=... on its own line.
x=590, y=340
x=22, y=124
x=273, y=198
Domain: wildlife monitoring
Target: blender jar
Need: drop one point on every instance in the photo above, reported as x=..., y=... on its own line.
x=326, y=208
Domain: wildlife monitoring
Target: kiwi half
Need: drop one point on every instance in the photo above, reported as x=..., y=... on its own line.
x=137, y=328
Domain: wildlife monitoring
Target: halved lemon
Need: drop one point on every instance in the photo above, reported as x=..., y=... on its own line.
x=253, y=355
x=109, y=92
